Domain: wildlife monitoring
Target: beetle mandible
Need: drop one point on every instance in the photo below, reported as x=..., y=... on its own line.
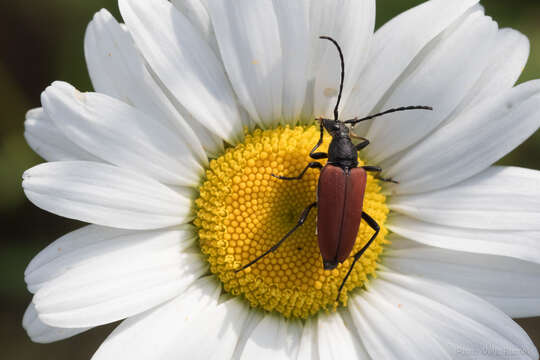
x=340, y=190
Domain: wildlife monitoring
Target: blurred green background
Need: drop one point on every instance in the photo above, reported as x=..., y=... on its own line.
x=42, y=41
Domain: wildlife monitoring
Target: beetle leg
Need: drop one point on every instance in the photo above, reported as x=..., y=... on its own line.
x=373, y=224
x=311, y=165
x=300, y=222
x=362, y=144
x=319, y=155
x=378, y=170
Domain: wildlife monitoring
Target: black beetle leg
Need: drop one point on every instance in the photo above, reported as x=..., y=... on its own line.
x=300, y=222
x=320, y=138
x=373, y=224
x=311, y=165
x=362, y=144
x=319, y=155
x=378, y=170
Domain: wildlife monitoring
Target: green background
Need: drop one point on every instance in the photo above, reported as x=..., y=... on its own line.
x=42, y=41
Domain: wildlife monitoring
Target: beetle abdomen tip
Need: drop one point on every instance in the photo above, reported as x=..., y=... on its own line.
x=330, y=264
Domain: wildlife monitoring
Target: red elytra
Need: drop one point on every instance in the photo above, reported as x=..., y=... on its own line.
x=340, y=197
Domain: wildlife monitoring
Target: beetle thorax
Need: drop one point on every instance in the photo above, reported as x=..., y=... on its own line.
x=342, y=152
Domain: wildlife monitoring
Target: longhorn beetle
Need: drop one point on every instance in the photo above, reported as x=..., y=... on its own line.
x=340, y=191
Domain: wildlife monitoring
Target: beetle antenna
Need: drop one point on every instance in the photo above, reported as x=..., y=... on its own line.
x=405, y=108
x=342, y=73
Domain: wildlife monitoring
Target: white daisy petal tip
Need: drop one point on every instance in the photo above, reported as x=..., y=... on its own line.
x=59, y=88
x=46, y=139
x=41, y=333
x=106, y=195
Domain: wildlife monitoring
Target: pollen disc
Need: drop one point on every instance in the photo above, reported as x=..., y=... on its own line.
x=242, y=211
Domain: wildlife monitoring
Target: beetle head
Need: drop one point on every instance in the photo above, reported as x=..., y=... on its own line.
x=335, y=128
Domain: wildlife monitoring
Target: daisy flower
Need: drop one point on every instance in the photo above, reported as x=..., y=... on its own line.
x=198, y=102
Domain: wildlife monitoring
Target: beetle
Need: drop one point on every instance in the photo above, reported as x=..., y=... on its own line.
x=340, y=190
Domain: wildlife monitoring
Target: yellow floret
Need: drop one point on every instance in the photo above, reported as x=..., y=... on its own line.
x=242, y=211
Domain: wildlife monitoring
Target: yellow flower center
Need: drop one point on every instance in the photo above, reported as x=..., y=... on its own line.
x=242, y=211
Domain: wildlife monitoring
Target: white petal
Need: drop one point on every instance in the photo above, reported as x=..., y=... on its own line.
x=40, y=332
x=39, y=270
x=197, y=13
x=213, y=144
x=387, y=334
x=309, y=347
x=116, y=278
x=351, y=24
x=464, y=325
x=402, y=243
x=273, y=338
x=394, y=47
x=499, y=198
x=336, y=339
x=510, y=284
x=111, y=53
x=185, y=64
x=254, y=318
x=100, y=77
x=105, y=195
x=192, y=326
x=227, y=321
x=471, y=142
x=121, y=135
x=523, y=245
x=77, y=247
x=506, y=65
x=48, y=141
x=293, y=21
x=440, y=76
x=249, y=42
